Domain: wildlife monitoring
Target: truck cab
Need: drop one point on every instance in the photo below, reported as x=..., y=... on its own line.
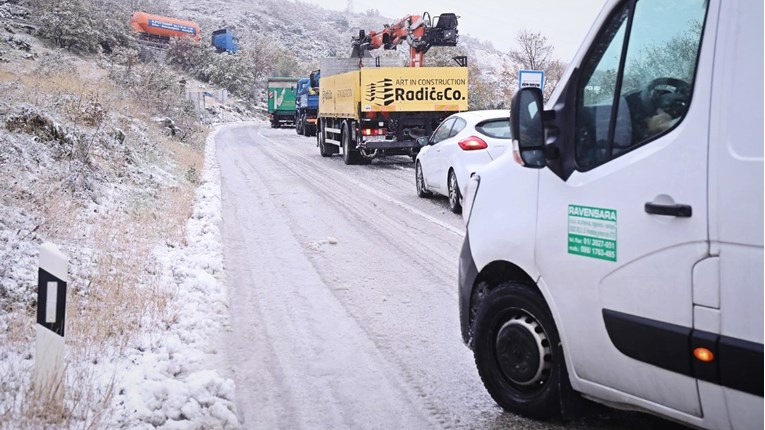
x=617, y=252
x=223, y=40
x=307, y=104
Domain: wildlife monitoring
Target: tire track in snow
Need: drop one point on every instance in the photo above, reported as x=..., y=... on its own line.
x=347, y=179
x=356, y=208
x=387, y=223
x=308, y=326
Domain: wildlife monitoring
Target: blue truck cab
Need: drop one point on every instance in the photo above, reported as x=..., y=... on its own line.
x=307, y=104
x=224, y=41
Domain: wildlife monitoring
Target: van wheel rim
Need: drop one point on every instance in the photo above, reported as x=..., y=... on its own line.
x=523, y=352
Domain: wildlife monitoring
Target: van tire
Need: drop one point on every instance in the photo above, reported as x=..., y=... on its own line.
x=527, y=376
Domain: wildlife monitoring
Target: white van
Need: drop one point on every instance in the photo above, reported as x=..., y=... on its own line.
x=625, y=262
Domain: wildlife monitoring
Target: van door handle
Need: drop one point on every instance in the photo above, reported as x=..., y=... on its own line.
x=678, y=210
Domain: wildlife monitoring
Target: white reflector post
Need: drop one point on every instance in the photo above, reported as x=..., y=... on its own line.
x=52, y=301
x=52, y=278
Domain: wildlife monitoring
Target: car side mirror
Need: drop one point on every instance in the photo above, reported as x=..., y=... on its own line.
x=423, y=140
x=527, y=128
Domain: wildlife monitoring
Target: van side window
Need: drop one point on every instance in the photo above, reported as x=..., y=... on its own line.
x=627, y=98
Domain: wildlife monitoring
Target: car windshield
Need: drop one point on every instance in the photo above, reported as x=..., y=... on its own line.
x=498, y=128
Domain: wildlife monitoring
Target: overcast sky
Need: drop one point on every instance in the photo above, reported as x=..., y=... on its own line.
x=563, y=22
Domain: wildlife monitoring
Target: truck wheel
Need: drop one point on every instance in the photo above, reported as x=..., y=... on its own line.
x=518, y=353
x=323, y=150
x=350, y=156
x=455, y=198
x=419, y=179
x=304, y=127
x=298, y=128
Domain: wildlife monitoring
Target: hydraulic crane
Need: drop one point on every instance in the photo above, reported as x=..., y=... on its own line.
x=419, y=31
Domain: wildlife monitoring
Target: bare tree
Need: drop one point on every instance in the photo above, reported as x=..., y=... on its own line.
x=481, y=90
x=534, y=53
x=553, y=72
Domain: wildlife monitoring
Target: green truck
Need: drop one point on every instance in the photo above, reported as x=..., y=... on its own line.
x=281, y=101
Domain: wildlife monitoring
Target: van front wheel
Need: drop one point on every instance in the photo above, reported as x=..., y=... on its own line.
x=518, y=353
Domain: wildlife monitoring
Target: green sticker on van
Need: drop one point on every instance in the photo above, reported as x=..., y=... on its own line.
x=592, y=232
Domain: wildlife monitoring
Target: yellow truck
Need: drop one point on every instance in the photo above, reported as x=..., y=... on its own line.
x=366, y=112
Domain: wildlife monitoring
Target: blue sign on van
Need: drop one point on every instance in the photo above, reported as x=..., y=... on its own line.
x=531, y=78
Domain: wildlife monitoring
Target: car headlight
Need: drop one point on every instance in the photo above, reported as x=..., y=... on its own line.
x=469, y=198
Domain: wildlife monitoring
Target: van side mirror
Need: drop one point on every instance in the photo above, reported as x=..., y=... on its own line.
x=422, y=141
x=527, y=128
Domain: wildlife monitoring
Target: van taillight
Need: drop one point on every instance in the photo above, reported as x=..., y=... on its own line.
x=472, y=143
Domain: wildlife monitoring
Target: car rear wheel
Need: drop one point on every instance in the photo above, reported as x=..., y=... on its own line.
x=455, y=198
x=419, y=179
x=518, y=353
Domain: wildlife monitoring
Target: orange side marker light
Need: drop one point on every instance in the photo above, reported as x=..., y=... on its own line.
x=703, y=354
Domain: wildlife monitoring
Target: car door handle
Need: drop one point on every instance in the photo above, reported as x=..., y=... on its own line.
x=678, y=210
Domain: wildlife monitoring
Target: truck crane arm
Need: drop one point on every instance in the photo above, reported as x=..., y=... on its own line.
x=417, y=30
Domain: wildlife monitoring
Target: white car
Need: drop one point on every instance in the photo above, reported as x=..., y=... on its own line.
x=461, y=144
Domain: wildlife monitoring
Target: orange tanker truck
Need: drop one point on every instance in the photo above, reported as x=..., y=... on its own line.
x=160, y=29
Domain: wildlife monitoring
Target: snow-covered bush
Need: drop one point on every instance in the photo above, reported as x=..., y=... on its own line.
x=70, y=25
x=187, y=55
x=90, y=26
x=55, y=64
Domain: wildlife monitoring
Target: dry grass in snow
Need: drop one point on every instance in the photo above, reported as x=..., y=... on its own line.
x=84, y=165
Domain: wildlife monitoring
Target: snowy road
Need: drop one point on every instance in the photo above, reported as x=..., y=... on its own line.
x=343, y=294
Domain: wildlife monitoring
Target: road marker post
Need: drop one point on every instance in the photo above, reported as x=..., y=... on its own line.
x=48, y=378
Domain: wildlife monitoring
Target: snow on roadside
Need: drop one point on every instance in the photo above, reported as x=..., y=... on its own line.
x=173, y=384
